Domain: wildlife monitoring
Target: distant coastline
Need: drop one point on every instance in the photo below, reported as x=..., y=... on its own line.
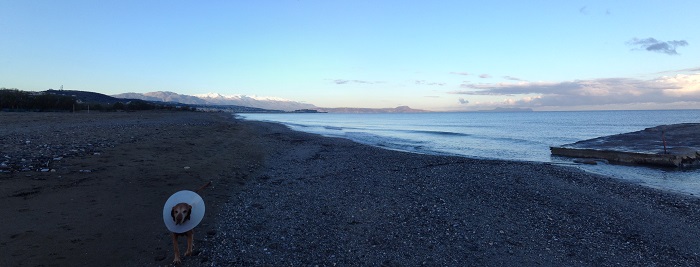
x=508, y=110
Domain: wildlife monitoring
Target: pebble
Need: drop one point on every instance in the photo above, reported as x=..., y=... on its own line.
x=59, y=141
x=323, y=202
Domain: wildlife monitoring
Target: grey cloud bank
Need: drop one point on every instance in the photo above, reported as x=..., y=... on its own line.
x=342, y=81
x=423, y=82
x=608, y=91
x=653, y=45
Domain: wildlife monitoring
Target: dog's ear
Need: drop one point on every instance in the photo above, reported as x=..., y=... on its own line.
x=189, y=211
x=172, y=212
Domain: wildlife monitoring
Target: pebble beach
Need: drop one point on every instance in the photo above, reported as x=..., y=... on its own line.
x=88, y=189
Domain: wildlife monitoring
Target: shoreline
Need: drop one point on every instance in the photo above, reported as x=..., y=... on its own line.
x=346, y=203
x=676, y=180
x=282, y=197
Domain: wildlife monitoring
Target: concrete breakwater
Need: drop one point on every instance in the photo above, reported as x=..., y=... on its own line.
x=676, y=145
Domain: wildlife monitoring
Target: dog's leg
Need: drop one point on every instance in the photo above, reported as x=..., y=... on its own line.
x=176, y=249
x=190, y=237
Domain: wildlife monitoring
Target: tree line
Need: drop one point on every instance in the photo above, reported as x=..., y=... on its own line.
x=16, y=100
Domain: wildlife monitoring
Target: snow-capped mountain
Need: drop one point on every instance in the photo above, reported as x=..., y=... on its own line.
x=136, y=96
x=233, y=97
x=175, y=97
x=273, y=103
x=255, y=101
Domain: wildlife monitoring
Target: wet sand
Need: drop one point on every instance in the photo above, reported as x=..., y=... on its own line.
x=281, y=197
x=100, y=203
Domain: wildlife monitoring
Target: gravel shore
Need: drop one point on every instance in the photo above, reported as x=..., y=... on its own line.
x=325, y=201
x=285, y=198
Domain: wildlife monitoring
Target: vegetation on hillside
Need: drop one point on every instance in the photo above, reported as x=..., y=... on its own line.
x=17, y=100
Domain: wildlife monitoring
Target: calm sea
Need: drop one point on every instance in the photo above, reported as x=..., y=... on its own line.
x=521, y=136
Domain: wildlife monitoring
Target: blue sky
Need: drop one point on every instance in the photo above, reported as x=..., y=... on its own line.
x=435, y=55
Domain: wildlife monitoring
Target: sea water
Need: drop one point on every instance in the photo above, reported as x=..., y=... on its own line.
x=519, y=136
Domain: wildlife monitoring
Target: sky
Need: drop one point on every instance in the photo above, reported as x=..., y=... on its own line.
x=433, y=55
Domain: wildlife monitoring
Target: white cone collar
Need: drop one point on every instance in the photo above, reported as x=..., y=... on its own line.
x=184, y=196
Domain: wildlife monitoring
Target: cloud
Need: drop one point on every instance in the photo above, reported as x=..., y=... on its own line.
x=596, y=92
x=460, y=73
x=342, y=81
x=484, y=76
x=423, y=82
x=696, y=69
x=653, y=45
x=511, y=78
x=583, y=10
x=463, y=101
x=687, y=86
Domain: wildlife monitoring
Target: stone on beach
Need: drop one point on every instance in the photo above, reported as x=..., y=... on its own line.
x=327, y=201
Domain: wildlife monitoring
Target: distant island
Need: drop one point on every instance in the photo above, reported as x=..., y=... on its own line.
x=400, y=109
x=307, y=111
x=508, y=110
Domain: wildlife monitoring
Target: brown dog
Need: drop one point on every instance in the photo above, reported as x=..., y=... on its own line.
x=181, y=213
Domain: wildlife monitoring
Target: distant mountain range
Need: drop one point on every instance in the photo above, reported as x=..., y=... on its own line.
x=238, y=103
x=255, y=101
x=234, y=103
x=269, y=103
x=217, y=99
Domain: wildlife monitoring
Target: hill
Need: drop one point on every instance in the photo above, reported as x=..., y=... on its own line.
x=87, y=97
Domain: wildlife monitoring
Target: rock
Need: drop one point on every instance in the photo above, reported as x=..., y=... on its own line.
x=674, y=145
